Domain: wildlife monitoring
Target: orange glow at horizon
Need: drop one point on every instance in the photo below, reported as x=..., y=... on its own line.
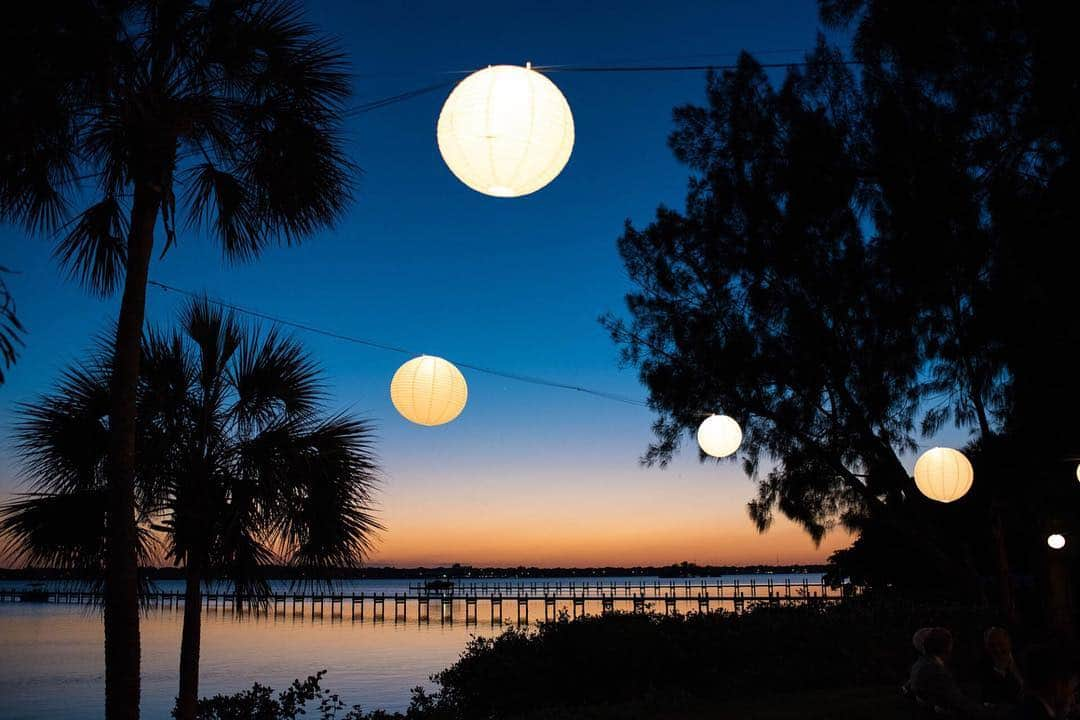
x=641, y=517
x=506, y=545
x=503, y=516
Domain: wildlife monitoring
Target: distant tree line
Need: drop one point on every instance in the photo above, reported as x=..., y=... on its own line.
x=289, y=572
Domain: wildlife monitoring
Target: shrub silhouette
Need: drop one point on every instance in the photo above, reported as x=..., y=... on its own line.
x=568, y=667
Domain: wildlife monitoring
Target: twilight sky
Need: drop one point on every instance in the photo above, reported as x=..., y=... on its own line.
x=526, y=475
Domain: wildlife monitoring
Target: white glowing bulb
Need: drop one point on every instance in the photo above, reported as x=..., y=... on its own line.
x=719, y=436
x=943, y=474
x=428, y=390
x=1056, y=541
x=506, y=131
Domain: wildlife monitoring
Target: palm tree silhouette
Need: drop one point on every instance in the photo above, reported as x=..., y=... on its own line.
x=120, y=108
x=238, y=467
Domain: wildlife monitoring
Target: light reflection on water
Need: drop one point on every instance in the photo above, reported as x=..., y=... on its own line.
x=51, y=657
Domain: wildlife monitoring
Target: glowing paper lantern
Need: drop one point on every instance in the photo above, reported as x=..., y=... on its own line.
x=1078, y=472
x=429, y=391
x=1056, y=541
x=943, y=474
x=719, y=436
x=506, y=131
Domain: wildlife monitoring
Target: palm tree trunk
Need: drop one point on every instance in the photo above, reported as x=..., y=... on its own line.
x=122, y=567
x=190, y=642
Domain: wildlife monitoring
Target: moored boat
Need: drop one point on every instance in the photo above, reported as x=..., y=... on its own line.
x=438, y=585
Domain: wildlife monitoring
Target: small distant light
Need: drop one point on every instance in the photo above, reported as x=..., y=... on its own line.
x=1056, y=541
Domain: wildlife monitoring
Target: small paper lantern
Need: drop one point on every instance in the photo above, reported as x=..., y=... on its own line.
x=719, y=436
x=428, y=390
x=943, y=474
x=1078, y=472
x=1056, y=541
x=506, y=131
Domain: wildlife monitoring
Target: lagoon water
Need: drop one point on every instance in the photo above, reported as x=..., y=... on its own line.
x=52, y=667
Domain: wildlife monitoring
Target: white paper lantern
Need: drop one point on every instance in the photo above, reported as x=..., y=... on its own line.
x=943, y=474
x=1056, y=541
x=506, y=131
x=1078, y=472
x=428, y=390
x=719, y=436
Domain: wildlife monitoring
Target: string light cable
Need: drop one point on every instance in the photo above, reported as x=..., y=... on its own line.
x=383, y=102
x=710, y=67
x=309, y=328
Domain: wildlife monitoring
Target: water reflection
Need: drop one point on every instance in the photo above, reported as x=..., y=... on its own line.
x=51, y=655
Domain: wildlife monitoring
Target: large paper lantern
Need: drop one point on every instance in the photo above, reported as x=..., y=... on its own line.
x=719, y=436
x=429, y=391
x=943, y=474
x=506, y=131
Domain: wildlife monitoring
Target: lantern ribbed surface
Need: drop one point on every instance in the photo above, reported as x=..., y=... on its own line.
x=719, y=436
x=943, y=474
x=506, y=131
x=428, y=390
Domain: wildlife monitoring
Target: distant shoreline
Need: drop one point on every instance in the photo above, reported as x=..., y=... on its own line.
x=454, y=571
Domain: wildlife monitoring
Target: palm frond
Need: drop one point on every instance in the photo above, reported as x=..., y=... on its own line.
x=94, y=251
x=302, y=68
x=217, y=336
x=323, y=514
x=11, y=329
x=112, y=143
x=242, y=558
x=67, y=62
x=37, y=147
x=32, y=192
x=65, y=531
x=277, y=137
x=62, y=438
x=61, y=530
x=164, y=433
x=299, y=174
x=220, y=199
x=271, y=53
x=273, y=377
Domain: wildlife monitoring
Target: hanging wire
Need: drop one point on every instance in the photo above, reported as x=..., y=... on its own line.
x=427, y=89
x=400, y=97
x=306, y=327
x=680, y=68
x=418, y=92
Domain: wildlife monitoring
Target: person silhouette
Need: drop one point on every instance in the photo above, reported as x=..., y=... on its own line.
x=999, y=676
x=934, y=686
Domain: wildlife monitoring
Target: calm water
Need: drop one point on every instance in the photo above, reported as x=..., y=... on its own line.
x=51, y=657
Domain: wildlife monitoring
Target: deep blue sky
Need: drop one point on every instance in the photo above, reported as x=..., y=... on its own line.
x=423, y=262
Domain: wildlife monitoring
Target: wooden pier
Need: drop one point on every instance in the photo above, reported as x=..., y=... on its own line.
x=576, y=599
